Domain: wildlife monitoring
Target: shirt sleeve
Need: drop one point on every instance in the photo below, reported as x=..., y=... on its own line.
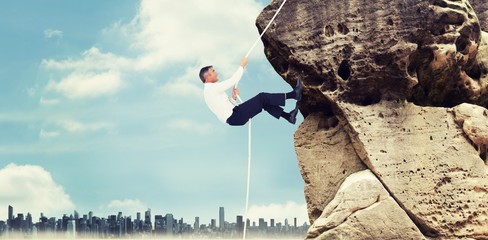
x=224, y=85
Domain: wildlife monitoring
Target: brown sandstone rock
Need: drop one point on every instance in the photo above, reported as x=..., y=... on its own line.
x=363, y=51
x=363, y=209
x=427, y=164
x=474, y=122
x=481, y=9
x=355, y=57
x=326, y=157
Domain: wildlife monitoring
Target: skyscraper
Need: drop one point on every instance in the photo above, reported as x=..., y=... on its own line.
x=196, y=225
x=147, y=221
x=169, y=224
x=239, y=225
x=10, y=213
x=158, y=224
x=221, y=219
x=212, y=224
x=90, y=218
x=71, y=228
x=10, y=217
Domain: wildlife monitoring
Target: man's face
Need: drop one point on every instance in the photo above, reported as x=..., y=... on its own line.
x=212, y=76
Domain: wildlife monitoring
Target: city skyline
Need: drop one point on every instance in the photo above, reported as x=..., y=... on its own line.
x=220, y=216
x=120, y=225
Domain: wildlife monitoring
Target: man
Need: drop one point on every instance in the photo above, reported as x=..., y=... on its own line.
x=229, y=112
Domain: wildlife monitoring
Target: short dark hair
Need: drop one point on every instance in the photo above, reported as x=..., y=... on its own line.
x=204, y=71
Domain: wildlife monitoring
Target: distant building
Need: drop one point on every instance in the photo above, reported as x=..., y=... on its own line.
x=71, y=229
x=213, y=224
x=221, y=219
x=10, y=213
x=158, y=224
x=196, y=225
x=147, y=221
x=239, y=225
x=169, y=224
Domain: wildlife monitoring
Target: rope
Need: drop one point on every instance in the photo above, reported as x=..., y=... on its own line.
x=250, y=123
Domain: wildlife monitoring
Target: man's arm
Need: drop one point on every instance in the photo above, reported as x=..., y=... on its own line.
x=224, y=85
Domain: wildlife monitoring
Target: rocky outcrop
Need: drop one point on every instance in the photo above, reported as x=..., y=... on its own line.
x=481, y=9
x=395, y=97
x=361, y=52
x=363, y=199
x=426, y=162
x=327, y=158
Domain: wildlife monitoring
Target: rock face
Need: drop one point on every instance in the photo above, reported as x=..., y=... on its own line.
x=363, y=199
x=364, y=51
x=396, y=125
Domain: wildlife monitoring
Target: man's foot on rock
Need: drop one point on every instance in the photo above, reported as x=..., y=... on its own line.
x=298, y=90
x=293, y=115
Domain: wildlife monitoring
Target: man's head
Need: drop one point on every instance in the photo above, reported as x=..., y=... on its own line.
x=208, y=74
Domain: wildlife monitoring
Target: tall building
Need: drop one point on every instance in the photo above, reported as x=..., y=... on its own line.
x=147, y=216
x=71, y=229
x=239, y=225
x=169, y=224
x=196, y=225
x=158, y=224
x=212, y=224
x=10, y=213
x=10, y=217
x=90, y=218
x=147, y=221
x=221, y=219
x=262, y=224
x=295, y=222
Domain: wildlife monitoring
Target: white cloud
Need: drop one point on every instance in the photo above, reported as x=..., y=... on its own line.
x=164, y=33
x=30, y=188
x=280, y=212
x=126, y=206
x=50, y=33
x=60, y=127
x=212, y=30
x=48, y=134
x=187, y=85
x=48, y=102
x=78, y=127
x=87, y=84
x=190, y=126
x=92, y=60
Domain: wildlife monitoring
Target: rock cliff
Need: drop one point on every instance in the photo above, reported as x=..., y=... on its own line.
x=394, y=141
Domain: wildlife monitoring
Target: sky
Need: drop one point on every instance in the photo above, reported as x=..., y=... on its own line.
x=101, y=109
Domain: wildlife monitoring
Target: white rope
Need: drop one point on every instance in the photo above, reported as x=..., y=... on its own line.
x=265, y=29
x=250, y=123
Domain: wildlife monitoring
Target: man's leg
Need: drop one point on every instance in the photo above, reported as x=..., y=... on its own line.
x=270, y=102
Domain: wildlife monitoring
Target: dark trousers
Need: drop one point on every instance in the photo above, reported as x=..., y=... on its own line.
x=270, y=102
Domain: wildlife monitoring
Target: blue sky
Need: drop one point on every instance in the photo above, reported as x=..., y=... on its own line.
x=101, y=109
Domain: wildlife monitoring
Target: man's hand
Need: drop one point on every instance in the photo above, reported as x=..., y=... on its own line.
x=235, y=92
x=244, y=62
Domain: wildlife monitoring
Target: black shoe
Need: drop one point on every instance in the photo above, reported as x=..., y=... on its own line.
x=293, y=115
x=298, y=90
